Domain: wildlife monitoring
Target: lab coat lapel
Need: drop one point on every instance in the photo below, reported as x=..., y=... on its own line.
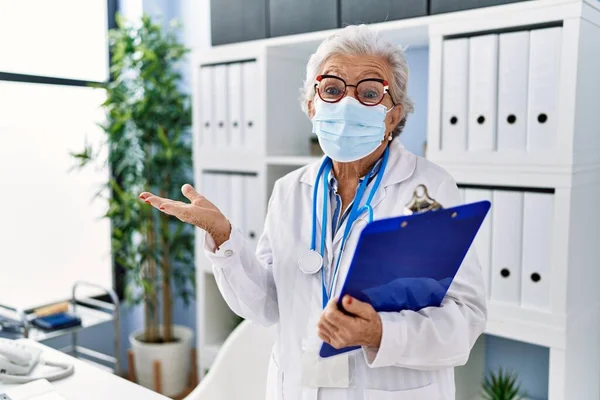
x=308, y=177
x=323, y=191
x=401, y=166
x=378, y=197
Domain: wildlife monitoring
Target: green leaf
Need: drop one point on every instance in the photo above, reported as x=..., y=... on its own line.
x=164, y=141
x=501, y=385
x=148, y=137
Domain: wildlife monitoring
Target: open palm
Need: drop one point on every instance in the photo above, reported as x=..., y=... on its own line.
x=199, y=212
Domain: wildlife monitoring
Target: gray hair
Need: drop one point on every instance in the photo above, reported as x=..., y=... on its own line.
x=362, y=40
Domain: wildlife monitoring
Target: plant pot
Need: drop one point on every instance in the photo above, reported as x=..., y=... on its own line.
x=174, y=359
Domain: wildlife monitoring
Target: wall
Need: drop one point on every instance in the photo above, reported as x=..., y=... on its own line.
x=415, y=131
x=530, y=362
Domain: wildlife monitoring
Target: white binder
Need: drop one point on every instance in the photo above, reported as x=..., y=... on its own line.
x=236, y=127
x=483, y=92
x=455, y=86
x=253, y=211
x=513, y=72
x=507, y=219
x=250, y=90
x=221, y=96
x=207, y=116
x=483, y=240
x=544, y=71
x=462, y=194
x=538, y=215
x=238, y=201
x=208, y=187
x=223, y=187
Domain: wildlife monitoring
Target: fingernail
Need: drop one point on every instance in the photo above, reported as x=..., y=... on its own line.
x=161, y=208
x=147, y=202
x=349, y=299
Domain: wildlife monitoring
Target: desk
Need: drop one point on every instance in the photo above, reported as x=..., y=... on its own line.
x=89, y=382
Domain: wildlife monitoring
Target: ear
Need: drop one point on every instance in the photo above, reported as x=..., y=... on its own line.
x=395, y=116
x=311, y=109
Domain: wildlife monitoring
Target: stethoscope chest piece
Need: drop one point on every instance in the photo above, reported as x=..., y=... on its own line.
x=310, y=262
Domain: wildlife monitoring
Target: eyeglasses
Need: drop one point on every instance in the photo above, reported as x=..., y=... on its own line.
x=369, y=92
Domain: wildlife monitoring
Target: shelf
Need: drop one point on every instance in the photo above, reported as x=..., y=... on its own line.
x=299, y=161
x=498, y=176
x=593, y=3
x=412, y=32
x=552, y=161
x=505, y=169
x=89, y=317
x=529, y=326
x=229, y=53
x=229, y=160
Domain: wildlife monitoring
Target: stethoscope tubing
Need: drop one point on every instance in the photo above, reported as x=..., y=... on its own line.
x=355, y=212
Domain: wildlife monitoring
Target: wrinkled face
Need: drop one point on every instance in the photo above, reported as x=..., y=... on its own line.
x=352, y=69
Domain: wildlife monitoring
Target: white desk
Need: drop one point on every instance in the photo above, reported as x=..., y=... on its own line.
x=89, y=382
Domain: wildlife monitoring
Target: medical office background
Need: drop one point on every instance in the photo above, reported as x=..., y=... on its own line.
x=52, y=50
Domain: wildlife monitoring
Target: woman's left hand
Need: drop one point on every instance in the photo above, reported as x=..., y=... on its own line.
x=363, y=328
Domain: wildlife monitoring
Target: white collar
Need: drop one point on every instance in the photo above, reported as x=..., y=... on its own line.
x=401, y=166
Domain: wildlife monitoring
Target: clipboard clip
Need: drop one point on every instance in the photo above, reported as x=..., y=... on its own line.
x=421, y=202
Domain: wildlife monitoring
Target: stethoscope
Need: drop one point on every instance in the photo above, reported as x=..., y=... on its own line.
x=312, y=261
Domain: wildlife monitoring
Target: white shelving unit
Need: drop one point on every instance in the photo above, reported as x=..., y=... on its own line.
x=571, y=328
x=294, y=161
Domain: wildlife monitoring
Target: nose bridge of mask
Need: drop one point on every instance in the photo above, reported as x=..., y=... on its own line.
x=350, y=110
x=337, y=128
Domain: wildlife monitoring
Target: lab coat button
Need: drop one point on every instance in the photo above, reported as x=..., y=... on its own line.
x=228, y=253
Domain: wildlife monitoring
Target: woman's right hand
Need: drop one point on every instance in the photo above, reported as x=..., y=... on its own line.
x=200, y=212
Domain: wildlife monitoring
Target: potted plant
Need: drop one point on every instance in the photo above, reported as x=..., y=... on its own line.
x=147, y=128
x=501, y=385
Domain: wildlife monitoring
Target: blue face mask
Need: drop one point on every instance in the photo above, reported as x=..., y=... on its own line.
x=348, y=130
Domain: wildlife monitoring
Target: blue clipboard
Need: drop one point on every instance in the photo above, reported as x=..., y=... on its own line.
x=409, y=262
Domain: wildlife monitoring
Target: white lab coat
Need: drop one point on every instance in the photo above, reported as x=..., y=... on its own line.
x=418, y=350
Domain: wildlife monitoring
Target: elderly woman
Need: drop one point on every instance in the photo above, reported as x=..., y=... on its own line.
x=355, y=94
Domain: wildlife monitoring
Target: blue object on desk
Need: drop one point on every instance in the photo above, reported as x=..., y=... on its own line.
x=57, y=321
x=409, y=262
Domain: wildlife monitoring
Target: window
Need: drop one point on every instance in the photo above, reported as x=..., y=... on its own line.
x=58, y=38
x=51, y=230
